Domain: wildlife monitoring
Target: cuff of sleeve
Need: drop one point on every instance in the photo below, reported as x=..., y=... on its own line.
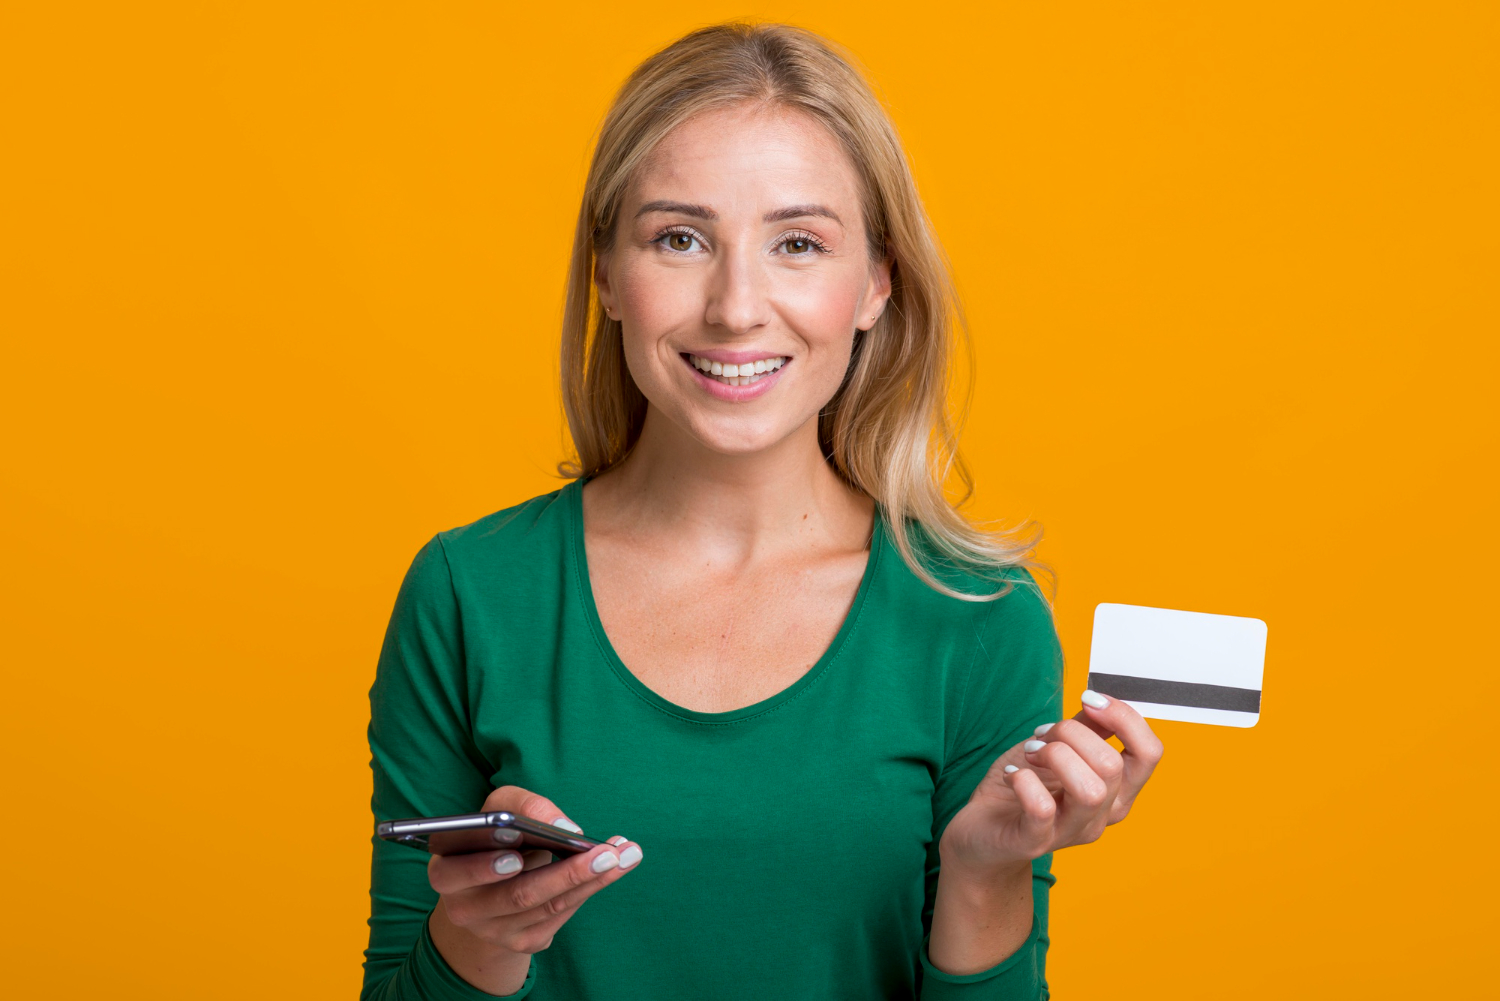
x=1014, y=978
x=435, y=980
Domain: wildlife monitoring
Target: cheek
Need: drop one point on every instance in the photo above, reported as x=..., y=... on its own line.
x=657, y=299
x=822, y=311
x=823, y=316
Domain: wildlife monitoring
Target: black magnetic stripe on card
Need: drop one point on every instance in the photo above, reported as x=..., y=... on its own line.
x=1177, y=693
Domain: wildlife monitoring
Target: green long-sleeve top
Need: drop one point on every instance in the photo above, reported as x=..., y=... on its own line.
x=791, y=847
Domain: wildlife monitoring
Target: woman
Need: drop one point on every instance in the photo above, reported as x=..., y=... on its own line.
x=752, y=632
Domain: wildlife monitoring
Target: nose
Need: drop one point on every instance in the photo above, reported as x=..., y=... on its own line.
x=738, y=293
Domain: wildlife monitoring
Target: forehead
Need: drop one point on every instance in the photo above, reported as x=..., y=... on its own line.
x=750, y=157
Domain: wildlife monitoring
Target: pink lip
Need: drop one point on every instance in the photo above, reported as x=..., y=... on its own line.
x=736, y=357
x=736, y=394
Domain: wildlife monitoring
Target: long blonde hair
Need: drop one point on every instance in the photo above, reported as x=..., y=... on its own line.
x=888, y=431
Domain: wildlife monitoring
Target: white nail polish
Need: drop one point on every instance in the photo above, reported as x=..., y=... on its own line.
x=1032, y=746
x=506, y=864
x=567, y=825
x=617, y=841
x=1011, y=769
x=1041, y=730
x=630, y=856
x=604, y=863
x=1094, y=700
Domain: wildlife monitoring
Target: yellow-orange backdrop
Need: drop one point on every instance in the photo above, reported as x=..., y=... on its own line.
x=280, y=291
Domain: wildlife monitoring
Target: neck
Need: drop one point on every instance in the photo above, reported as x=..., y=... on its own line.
x=672, y=482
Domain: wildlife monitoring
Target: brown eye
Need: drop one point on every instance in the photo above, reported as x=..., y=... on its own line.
x=680, y=241
x=797, y=246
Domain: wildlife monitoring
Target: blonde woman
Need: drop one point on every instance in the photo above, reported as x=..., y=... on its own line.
x=751, y=632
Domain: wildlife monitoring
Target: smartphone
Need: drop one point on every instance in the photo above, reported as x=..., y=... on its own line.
x=482, y=832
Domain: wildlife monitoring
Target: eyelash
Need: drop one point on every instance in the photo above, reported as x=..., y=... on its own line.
x=817, y=245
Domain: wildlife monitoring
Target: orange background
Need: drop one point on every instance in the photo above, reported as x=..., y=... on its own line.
x=280, y=291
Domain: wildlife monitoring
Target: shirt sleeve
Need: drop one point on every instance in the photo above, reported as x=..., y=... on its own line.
x=1014, y=685
x=425, y=764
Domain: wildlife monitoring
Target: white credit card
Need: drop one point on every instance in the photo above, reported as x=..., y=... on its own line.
x=1188, y=666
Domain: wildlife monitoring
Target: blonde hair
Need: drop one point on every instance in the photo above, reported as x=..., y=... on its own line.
x=888, y=431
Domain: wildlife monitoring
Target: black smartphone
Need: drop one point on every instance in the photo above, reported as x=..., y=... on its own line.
x=482, y=832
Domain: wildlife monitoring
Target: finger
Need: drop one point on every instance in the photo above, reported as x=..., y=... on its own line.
x=1083, y=717
x=1106, y=762
x=1015, y=758
x=525, y=803
x=1084, y=792
x=1039, y=807
x=538, y=936
x=536, y=859
x=571, y=899
x=630, y=852
x=1142, y=747
x=452, y=873
x=526, y=913
x=538, y=887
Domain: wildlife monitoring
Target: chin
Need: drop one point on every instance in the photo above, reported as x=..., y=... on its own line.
x=737, y=437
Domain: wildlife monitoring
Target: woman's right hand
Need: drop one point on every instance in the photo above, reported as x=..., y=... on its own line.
x=497, y=908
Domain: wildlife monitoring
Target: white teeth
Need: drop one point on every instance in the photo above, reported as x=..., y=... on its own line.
x=737, y=375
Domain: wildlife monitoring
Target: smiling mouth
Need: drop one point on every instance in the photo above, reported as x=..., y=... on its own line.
x=736, y=375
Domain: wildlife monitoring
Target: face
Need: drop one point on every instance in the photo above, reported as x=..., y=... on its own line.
x=740, y=272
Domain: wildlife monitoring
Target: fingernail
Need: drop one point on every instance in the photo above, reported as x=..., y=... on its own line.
x=1039, y=731
x=1094, y=700
x=1011, y=769
x=1032, y=746
x=604, y=863
x=617, y=841
x=567, y=825
x=506, y=864
x=630, y=857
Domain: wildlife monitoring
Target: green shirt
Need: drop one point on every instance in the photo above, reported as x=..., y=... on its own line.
x=790, y=846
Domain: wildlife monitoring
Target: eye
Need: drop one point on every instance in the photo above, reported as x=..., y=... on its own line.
x=801, y=244
x=679, y=241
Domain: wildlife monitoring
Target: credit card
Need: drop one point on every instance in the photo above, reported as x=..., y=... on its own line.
x=1187, y=666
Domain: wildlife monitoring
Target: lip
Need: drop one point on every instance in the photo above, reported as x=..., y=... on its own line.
x=735, y=394
x=735, y=357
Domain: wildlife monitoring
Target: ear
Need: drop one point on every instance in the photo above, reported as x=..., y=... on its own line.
x=877, y=293
x=602, y=286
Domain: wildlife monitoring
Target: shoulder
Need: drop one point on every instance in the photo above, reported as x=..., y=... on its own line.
x=996, y=660
x=501, y=549
x=534, y=528
x=1020, y=606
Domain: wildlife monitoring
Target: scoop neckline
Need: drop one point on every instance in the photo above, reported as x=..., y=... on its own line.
x=650, y=695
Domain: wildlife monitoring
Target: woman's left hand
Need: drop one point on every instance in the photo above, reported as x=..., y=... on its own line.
x=1062, y=787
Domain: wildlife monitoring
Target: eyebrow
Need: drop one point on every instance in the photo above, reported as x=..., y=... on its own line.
x=802, y=212
x=706, y=213
x=678, y=208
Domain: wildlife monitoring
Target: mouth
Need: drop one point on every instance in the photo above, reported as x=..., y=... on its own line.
x=743, y=374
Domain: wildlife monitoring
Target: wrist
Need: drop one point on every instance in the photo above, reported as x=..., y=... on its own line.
x=967, y=868
x=982, y=915
x=486, y=965
x=978, y=882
